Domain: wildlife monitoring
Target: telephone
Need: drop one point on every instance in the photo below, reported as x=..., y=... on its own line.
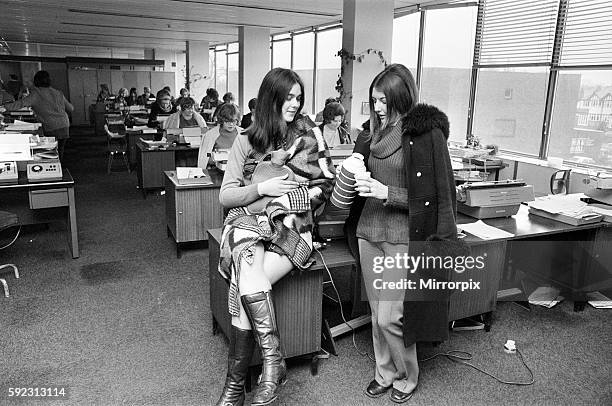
x=8, y=172
x=44, y=171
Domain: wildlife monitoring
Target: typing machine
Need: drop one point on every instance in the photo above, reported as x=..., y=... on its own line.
x=485, y=200
x=600, y=188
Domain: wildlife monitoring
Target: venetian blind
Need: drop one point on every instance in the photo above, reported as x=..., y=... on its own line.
x=516, y=32
x=587, y=37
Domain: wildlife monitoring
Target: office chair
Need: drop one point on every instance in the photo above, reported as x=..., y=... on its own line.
x=8, y=221
x=559, y=182
x=116, y=142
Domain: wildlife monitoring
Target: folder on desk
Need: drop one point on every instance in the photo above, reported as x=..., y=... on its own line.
x=192, y=175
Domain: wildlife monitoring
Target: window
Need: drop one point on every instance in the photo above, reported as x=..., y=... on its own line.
x=281, y=54
x=232, y=74
x=447, y=63
x=593, y=129
x=525, y=109
x=303, y=65
x=329, y=42
x=406, y=41
x=211, y=67
x=221, y=71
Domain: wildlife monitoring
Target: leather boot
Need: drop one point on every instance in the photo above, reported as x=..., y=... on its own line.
x=242, y=345
x=259, y=307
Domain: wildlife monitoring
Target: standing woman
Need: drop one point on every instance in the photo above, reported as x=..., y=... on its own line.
x=51, y=108
x=259, y=249
x=333, y=132
x=410, y=197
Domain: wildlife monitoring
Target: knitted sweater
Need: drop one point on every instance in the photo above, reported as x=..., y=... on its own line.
x=382, y=220
x=50, y=106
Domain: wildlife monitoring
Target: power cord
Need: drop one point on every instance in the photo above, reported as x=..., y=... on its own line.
x=461, y=357
x=362, y=353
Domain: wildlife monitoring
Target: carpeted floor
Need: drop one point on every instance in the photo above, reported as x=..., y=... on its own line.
x=129, y=323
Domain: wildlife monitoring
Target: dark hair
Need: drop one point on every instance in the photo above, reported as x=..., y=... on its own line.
x=133, y=91
x=162, y=93
x=332, y=110
x=228, y=112
x=398, y=86
x=186, y=102
x=268, y=126
x=228, y=97
x=42, y=79
x=185, y=89
x=330, y=100
x=167, y=88
x=252, y=103
x=212, y=93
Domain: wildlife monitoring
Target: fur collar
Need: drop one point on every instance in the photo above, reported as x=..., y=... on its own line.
x=423, y=118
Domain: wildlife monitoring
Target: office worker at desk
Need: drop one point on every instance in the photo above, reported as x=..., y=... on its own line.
x=186, y=117
x=255, y=251
x=162, y=106
x=144, y=99
x=222, y=136
x=410, y=196
x=209, y=103
x=51, y=108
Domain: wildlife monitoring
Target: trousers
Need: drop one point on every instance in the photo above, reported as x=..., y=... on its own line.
x=395, y=364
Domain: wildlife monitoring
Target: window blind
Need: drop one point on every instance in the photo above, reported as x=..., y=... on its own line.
x=587, y=38
x=516, y=32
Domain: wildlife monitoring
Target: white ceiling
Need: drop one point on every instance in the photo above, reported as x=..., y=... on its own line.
x=31, y=25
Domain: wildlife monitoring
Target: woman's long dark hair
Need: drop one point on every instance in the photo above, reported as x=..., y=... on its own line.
x=268, y=126
x=400, y=90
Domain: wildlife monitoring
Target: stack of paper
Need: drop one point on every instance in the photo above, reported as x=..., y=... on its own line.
x=484, y=231
x=546, y=296
x=599, y=301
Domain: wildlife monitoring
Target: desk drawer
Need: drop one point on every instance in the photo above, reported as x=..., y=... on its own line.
x=42, y=199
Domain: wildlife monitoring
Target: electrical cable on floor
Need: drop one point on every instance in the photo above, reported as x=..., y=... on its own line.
x=362, y=353
x=461, y=357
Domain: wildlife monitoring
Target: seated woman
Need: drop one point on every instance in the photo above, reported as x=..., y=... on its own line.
x=104, y=93
x=333, y=132
x=209, y=103
x=121, y=100
x=162, y=106
x=259, y=249
x=132, y=99
x=185, y=118
x=221, y=136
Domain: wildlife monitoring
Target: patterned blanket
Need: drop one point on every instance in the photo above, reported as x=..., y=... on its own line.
x=286, y=225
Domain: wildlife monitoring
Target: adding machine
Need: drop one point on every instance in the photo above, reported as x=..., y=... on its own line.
x=492, y=199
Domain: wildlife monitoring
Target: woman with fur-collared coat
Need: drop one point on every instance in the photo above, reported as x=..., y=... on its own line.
x=410, y=197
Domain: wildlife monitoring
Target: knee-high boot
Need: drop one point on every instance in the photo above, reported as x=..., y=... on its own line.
x=259, y=308
x=242, y=345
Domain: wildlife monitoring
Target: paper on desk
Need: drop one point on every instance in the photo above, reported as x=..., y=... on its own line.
x=607, y=213
x=185, y=172
x=555, y=204
x=484, y=231
x=599, y=301
x=546, y=296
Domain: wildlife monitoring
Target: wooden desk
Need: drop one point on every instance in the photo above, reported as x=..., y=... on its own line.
x=47, y=202
x=132, y=136
x=153, y=162
x=192, y=209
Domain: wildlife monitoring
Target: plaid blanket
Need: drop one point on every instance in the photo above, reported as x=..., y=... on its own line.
x=286, y=225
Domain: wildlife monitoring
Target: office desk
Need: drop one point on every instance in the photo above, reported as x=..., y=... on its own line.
x=192, y=209
x=132, y=136
x=47, y=201
x=573, y=258
x=153, y=162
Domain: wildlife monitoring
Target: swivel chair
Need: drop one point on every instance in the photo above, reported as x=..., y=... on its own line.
x=116, y=142
x=559, y=182
x=8, y=221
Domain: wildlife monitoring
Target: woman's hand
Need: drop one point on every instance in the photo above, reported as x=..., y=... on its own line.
x=369, y=187
x=277, y=186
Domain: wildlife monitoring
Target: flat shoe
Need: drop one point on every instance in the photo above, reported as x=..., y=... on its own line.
x=376, y=390
x=398, y=396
